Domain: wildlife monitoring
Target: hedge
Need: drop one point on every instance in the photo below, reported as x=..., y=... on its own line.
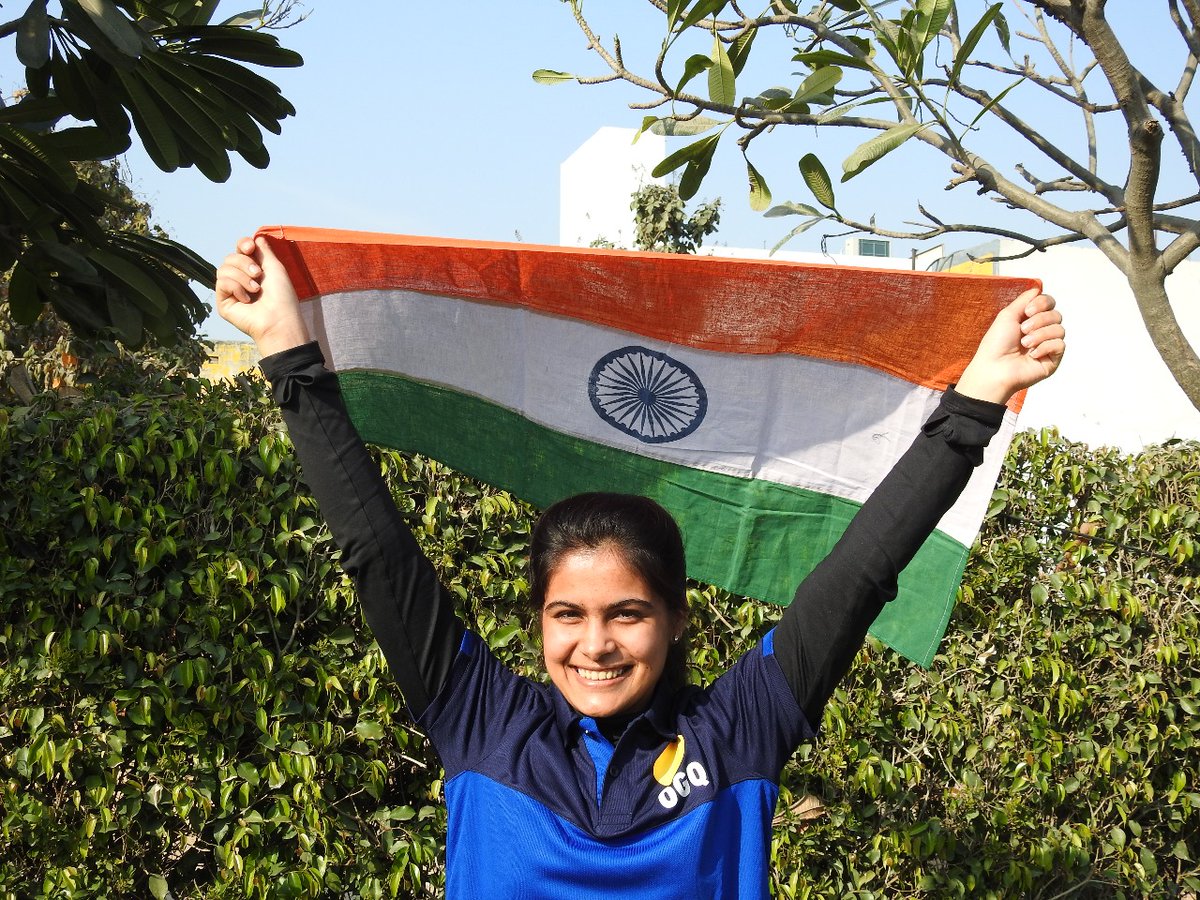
x=190, y=705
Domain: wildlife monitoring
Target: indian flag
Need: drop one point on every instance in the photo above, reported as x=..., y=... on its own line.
x=759, y=401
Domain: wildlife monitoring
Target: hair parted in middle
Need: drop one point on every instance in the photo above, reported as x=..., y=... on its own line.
x=644, y=534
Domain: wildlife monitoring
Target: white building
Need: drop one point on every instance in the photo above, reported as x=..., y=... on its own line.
x=1112, y=388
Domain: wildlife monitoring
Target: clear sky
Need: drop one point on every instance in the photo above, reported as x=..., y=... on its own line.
x=424, y=119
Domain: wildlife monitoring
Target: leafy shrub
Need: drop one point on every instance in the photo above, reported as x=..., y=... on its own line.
x=189, y=701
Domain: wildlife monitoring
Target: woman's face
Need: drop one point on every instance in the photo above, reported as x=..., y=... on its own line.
x=605, y=635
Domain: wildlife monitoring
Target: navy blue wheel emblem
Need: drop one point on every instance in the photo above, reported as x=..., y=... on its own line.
x=647, y=394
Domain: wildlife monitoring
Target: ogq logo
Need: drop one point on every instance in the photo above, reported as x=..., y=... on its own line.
x=676, y=777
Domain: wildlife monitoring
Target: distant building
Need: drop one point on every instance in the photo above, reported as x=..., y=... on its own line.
x=1112, y=389
x=229, y=358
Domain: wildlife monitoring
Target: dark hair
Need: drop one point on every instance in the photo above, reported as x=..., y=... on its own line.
x=640, y=530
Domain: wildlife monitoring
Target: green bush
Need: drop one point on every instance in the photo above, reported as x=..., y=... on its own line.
x=189, y=701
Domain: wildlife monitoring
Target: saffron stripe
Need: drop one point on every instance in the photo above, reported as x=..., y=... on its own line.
x=917, y=326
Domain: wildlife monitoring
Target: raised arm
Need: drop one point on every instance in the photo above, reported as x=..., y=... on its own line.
x=405, y=605
x=820, y=633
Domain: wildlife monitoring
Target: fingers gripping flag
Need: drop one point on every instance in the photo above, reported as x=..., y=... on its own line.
x=759, y=401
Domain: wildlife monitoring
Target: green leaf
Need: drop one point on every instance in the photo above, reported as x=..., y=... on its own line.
x=820, y=82
x=158, y=887
x=740, y=53
x=134, y=277
x=156, y=133
x=788, y=208
x=696, y=63
x=24, y=301
x=702, y=10
x=845, y=5
x=931, y=17
x=672, y=127
x=33, y=36
x=87, y=142
x=684, y=155
x=249, y=17
x=68, y=258
x=818, y=180
x=799, y=229
x=674, y=8
x=760, y=194
x=721, y=84
x=818, y=58
x=972, y=41
x=694, y=174
x=125, y=316
x=369, y=730
x=870, y=152
x=1003, y=33
x=28, y=151
x=550, y=76
x=123, y=34
x=987, y=106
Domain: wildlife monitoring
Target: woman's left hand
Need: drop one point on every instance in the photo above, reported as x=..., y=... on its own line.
x=1023, y=346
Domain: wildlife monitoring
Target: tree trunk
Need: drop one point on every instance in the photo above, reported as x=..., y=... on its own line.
x=1147, y=279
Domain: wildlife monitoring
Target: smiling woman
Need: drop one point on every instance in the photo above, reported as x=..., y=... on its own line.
x=617, y=778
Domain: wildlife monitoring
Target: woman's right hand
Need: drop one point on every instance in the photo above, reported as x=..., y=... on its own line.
x=255, y=295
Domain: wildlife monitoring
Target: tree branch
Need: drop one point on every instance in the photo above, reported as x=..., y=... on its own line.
x=1181, y=248
x=1076, y=84
x=1110, y=192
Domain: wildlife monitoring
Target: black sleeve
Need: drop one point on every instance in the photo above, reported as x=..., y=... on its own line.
x=402, y=600
x=820, y=633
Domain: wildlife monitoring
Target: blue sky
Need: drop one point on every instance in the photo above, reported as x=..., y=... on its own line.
x=426, y=120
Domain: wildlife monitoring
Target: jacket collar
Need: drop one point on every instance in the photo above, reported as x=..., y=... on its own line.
x=660, y=716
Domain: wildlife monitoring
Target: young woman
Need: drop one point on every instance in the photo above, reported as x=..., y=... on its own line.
x=616, y=778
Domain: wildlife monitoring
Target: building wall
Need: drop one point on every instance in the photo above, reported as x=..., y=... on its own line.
x=1112, y=388
x=597, y=182
x=229, y=358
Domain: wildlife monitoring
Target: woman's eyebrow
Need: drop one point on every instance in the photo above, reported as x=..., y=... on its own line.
x=630, y=601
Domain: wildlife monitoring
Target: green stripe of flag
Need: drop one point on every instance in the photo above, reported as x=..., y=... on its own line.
x=779, y=532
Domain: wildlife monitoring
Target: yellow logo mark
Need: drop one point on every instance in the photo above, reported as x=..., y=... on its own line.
x=669, y=761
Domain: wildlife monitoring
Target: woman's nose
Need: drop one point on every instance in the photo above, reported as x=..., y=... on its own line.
x=597, y=640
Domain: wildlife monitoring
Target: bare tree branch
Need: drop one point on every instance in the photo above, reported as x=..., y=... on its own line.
x=1076, y=84
x=1110, y=192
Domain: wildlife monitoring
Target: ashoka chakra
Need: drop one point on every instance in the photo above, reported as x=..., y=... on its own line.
x=647, y=394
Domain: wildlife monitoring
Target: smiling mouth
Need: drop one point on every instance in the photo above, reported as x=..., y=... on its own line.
x=601, y=675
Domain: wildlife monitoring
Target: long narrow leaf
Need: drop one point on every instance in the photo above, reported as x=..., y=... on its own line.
x=33, y=36
x=695, y=64
x=152, y=127
x=702, y=10
x=721, y=86
x=672, y=127
x=820, y=82
x=932, y=15
x=818, y=180
x=142, y=286
x=121, y=33
x=760, y=194
x=685, y=155
x=818, y=58
x=972, y=41
x=549, y=76
x=1000, y=96
x=799, y=229
x=697, y=168
x=788, y=208
x=24, y=300
x=741, y=49
x=870, y=152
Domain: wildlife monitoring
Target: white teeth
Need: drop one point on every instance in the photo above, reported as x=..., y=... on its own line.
x=601, y=674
